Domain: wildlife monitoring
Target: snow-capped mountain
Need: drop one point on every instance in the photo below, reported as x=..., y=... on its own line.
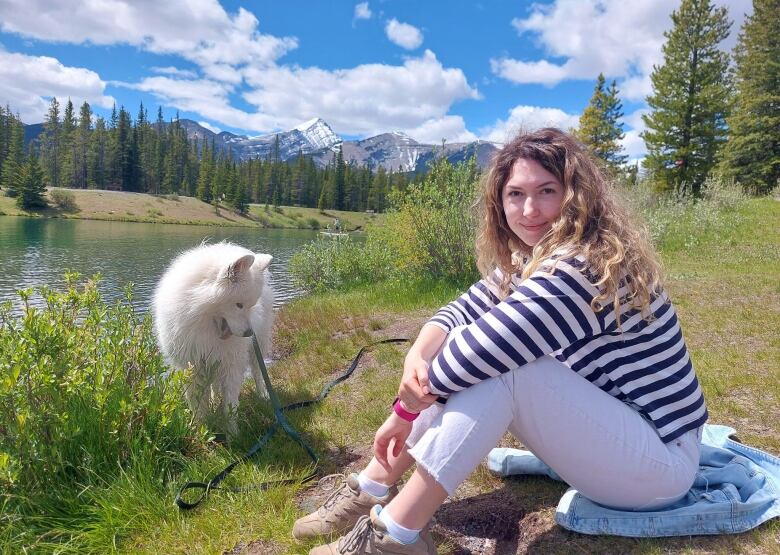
x=393, y=151
x=318, y=133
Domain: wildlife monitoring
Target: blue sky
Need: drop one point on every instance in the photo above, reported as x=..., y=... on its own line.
x=456, y=70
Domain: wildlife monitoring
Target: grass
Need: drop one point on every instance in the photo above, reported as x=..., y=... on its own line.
x=724, y=278
x=172, y=209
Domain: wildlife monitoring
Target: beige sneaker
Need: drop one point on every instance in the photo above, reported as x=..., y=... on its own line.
x=370, y=537
x=341, y=510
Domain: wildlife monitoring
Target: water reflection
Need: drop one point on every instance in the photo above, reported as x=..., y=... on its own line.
x=39, y=251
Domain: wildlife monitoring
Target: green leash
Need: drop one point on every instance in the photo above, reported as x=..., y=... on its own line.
x=281, y=422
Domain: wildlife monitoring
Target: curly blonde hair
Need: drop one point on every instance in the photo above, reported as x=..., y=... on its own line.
x=593, y=222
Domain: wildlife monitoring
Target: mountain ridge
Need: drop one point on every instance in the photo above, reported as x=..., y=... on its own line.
x=394, y=151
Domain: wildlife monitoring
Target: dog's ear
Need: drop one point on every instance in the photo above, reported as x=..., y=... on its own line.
x=263, y=261
x=236, y=269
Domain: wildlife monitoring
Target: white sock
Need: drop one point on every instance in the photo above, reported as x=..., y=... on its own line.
x=396, y=531
x=371, y=487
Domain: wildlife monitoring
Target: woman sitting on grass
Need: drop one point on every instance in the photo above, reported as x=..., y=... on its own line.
x=569, y=342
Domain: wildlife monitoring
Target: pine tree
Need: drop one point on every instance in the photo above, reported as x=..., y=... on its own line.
x=14, y=159
x=218, y=179
x=203, y=190
x=31, y=185
x=169, y=184
x=752, y=153
x=67, y=149
x=81, y=146
x=686, y=125
x=600, y=127
x=96, y=170
x=51, y=145
x=5, y=135
x=339, y=183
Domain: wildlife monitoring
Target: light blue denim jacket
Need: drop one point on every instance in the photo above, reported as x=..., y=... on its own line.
x=736, y=488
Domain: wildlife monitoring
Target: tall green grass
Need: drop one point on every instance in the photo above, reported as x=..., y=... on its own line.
x=86, y=407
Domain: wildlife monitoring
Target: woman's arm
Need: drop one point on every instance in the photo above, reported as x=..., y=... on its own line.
x=547, y=312
x=414, y=390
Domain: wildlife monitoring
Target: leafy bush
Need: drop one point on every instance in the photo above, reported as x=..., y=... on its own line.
x=314, y=223
x=438, y=220
x=338, y=262
x=84, y=399
x=64, y=200
x=428, y=234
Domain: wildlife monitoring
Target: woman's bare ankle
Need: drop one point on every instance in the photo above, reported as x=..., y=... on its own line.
x=398, y=465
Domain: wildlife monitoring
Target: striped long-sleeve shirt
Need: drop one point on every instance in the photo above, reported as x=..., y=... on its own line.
x=645, y=363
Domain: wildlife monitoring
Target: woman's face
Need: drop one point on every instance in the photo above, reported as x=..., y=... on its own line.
x=532, y=199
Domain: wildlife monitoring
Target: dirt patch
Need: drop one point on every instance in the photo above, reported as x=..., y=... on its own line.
x=256, y=547
x=487, y=523
x=407, y=325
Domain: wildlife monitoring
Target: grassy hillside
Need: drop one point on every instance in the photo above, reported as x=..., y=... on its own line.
x=139, y=207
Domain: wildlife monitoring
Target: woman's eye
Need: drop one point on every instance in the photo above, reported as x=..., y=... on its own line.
x=240, y=305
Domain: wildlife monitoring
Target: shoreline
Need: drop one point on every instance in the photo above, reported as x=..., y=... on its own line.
x=121, y=206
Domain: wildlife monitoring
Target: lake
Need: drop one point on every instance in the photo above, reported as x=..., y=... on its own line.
x=38, y=251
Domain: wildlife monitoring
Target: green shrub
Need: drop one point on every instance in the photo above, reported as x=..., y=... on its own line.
x=429, y=234
x=64, y=200
x=85, y=399
x=437, y=218
x=314, y=223
x=339, y=262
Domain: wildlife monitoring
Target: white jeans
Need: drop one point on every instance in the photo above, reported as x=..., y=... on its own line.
x=596, y=443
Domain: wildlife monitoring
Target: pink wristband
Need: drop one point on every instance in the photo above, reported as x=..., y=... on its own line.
x=402, y=412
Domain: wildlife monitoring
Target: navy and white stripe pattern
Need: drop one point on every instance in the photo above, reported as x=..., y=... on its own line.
x=646, y=365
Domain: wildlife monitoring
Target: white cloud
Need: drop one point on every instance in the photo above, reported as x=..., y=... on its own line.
x=362, y=11
x=621, y=39
x=208, y=98
x=528, y=118
x=212, y=128
x=451, y=128
x=366, y=99
x=27, y=84
x=404, y=35
x=541, y=72
x=200, y=31
x=633, y=144
x=634, y=119
x=414, y=97
x=175, y=71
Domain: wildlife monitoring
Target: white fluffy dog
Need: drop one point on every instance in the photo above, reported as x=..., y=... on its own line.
x=206, y=306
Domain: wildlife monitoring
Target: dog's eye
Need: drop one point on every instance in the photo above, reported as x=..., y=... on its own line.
x=240, y=305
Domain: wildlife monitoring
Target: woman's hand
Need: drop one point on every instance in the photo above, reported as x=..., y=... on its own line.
x=414, y=391
x=394, y=429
